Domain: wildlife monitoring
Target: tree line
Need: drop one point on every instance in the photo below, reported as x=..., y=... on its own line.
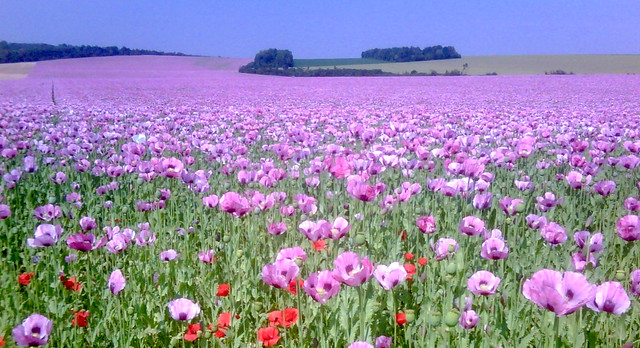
x=411, y=54
x=27, y=52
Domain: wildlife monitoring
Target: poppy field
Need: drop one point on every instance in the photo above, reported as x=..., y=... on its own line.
x=205, y=208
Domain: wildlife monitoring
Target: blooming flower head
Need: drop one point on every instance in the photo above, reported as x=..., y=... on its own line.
x=337, y=229
x=494, y=247
x=88, y=223
x=635, y=283
x=553, y=233
x=294, y=254
x=511, y=206
x=45, y=235
x=286, y=318
x=610, y=297
x=444, y=247
x=471, y=226
x=234, y=204
x=383, y=342
x=576, y=180
x=560, y=293
x=595, y=241
x=84, y=242
x=117, y=282
x=390, y=276
x=206, y=256
x=360, y=344
x=172, y=167
x=321, y=286
x=183, y=309
x=482, y=200
x=80, y=318
x=426, y=224
x=47, y=212
x=483, y=283
x=536, y=222
x=169, y=255
x=280, y=273
x=277, y=228
x=469, y=319
x=34, y=331
x=579, y=261
x=547, y=201
x=605, y=188
x=269, y=336
x=314, y=231
x=629, y=227
x=351, y=270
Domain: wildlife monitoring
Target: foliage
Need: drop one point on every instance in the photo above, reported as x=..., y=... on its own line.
x=411, y=54
x=27, y=52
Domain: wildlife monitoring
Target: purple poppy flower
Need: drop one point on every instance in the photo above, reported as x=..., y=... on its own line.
x=536, y=222
x=494, y=247
x=183, y=309
x=47, y=212
x=210, y=201
x=321, y=286
x=560, y=293
x=629, y=227
x=579, y=262
x=84, y=242
x=635, y=283
x=610, y=297
x=605, y=188
x=511, y=206
x=234, y=204
x=314, y=230
x=171, y=167
x=277, y=228
x=117, y=244
x=337, y=229
x=58, y=178
x=34, y=331
x=483, y=283
x=426, y=224
x=390, y=276
x=145, y=237
x=88, y=223
x=296, y=254
x=632, y=204
x=357, y=188
x=45, y=235
x=471, y=226
x=206, y=256
x=360, y=344
x=444, y=247
x=576, y=180
x=547, y=201
x=482, y=201
x=595, y=241
x=383, y=342
x=469, y=319
x=351, y=270
x=553, y=233
x=280, y=273
x=5, y=211
x=116, y=282
x=169, y=255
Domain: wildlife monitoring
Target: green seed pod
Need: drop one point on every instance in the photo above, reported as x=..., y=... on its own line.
x=130, y=310
x=360, y=239
x=452, y=268
x=620, y=275
x=434, y=319
x=239, y=252
x=173, y=342
x=410, y=315
x=451, y=318
x=207, y=335
x=51, y=200
x=226, y=238
x=520, y=207
x=139, y=181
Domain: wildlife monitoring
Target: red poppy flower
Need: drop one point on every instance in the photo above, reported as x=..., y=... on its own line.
x=2, y=341
x=25, y=278
x=289, y=316
x=411, y=270
x=401, y=318
x=80, y=318
x=320, y=244
x=192, y=332
x=403, y=235
x=223, y=290
x=275, y=318
x=293, y=288
x=224, y=320
x=422, y=261
x=71, y=283
x=408, y=256
x=268, y=336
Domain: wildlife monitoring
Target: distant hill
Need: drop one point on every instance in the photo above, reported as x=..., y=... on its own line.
x=33, y=52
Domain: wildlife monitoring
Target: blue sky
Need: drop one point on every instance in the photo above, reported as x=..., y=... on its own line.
x=322, y=29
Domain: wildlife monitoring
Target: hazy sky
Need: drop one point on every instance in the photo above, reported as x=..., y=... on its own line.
x=323, y=29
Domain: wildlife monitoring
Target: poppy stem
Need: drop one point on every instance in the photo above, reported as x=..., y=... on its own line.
x=361, y=295
x=556, y=328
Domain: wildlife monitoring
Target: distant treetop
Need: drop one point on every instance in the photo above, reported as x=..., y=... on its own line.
x=27, y=52
x=412, y=54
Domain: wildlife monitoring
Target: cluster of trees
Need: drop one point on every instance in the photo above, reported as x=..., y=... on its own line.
x=269, y=62
x=301, y=72
x=24, y=52
x=411, y=54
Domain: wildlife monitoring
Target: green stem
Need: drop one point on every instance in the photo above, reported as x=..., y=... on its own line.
x=361, y=295
x=556, y=331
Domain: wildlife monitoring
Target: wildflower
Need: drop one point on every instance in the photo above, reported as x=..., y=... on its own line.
x=296, y=254
x=553, y=233
x=319, y=245
x=223, y=290
x=210, y=201
x=383, y=342
x=444, y=247
x=25, y=278
x=183, y=309
x=635, y=283
x=85, y=242
x=293, y=286
x=471, y=226
x=5, y=211
x=80, y=318
x=410, y=269
x=605, y=188
x=629, y=227
x=268, y=336
x=234, y=204
x=560, y=293
x=277, y=229
x=192, y=332
x=390, y=276
x=360, y=344
x=401, y=318
x=34, y=331
x=45, y=235
x=422, y=261
x=207, y=256
x=88, y=223
x=426, y=224
x=285, y=318
x=408, y=256
x=351, y=270
x=169, y=255
x=494, y=247
x=483, y=283
x=337, y=229
x=117, y=282
x=280, y=273
x=71, y=284
x=321, y=286
x=469, y=319
x=482, y=200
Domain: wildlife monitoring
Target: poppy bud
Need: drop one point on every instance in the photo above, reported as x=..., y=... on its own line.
x=360, y=239
x=410, y=315
x=620, y=275
x=434, y=318
x=226, y=238
x=239, y=252
x=139, y=181
x=130, y=310
x=207, y=334
x=51, y=200
x=451, y=268
x=451, y=318
x=520, y=207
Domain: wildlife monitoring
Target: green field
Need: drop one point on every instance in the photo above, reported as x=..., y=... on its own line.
x=303, y=63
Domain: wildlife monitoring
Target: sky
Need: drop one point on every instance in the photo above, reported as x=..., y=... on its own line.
x=329, y=29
